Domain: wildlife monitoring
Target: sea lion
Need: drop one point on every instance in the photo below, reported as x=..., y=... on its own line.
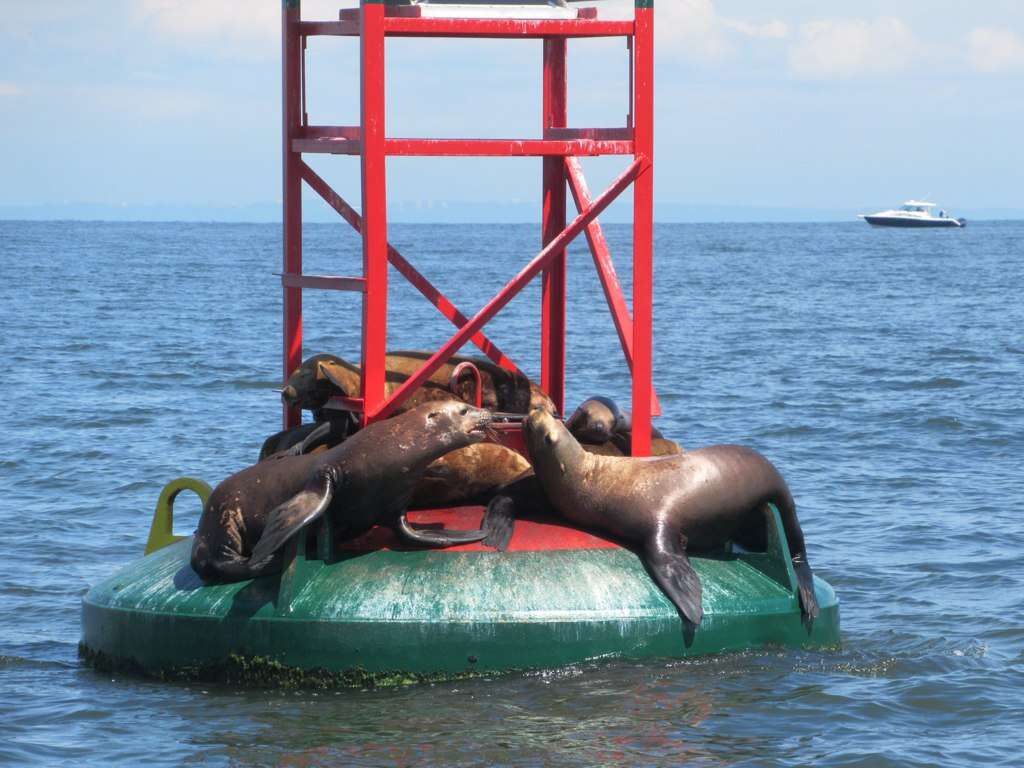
x=696, y=500
x=368, y=479
x=521, y=495
x=323, y=376
x=600, y=421
x=329, y=432
x=660, y=446
x=468, y=475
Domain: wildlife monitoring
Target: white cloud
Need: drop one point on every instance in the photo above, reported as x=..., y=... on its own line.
x=773, y=29
x=995, y=50
x=693, y=29
x=226, y=28
x=844, y=48
x=9, y=89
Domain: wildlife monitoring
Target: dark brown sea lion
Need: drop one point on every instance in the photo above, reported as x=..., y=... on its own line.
x=600, y=421
x=366, y=480
x=331, y=431
x=698, y=500
x=323, y=376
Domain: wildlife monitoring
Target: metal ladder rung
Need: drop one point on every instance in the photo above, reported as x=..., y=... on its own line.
x=324, y=282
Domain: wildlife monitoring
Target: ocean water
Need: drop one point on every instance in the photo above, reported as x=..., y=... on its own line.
x=882, y=371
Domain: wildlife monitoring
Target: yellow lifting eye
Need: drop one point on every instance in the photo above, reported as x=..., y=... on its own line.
x=161, y=531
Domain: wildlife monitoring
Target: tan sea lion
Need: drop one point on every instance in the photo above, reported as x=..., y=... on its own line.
x=322, y=376
x=366, y=480
x=697, y=500
x=468, y=475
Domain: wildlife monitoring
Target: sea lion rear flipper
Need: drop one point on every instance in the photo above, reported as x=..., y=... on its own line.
x=665, y=555
x=797, y=545
x=232, y=567
x=499, y=522
x=431, y=537
x=289, y=518
x=805, y=584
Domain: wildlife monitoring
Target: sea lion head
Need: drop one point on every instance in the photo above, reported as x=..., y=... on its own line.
x=547, y=438
x=318, y=379
x=453, y=423
x=595, y=421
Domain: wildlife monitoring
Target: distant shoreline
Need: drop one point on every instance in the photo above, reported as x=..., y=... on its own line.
x=456, y=212
x=443, y=223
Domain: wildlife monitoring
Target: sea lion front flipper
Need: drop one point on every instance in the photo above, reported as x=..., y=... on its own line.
x=432, y=537
x=312, y=440
x=289, y=518
x=665, y=555
x=805, y=585
x=499, y=522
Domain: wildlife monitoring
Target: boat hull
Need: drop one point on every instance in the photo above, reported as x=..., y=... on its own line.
x=892, y=221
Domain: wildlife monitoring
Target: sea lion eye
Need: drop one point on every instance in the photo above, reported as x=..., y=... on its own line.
x=464, y=410
x=433, y=414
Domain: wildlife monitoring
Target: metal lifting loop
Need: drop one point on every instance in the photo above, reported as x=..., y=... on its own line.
x=161, y=532
x=453, y=382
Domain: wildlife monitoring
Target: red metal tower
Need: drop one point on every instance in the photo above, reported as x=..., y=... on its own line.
x=560, y=147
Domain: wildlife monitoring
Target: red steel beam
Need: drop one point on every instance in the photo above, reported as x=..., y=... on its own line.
x=606, y=269
x=580, y=147
x=597, y=134
x=643, y=233
x=509, y=292
x=291, y=96
x=434, y=27
x=325, y=282
x=373, y=171
x=407, y=270
x=555, y=115
x=348, y=26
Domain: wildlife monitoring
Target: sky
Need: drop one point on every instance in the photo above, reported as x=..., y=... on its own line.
x=173, y=107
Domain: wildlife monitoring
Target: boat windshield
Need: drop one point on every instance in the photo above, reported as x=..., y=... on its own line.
x=915, y=208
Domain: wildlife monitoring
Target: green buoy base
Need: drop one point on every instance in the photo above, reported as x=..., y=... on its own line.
x=430, y=614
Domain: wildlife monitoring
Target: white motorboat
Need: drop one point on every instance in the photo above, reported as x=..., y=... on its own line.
x=913, y=213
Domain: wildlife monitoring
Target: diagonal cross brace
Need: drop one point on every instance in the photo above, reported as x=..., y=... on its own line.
x=520, y=281
x=407, y=270
x=606, y=269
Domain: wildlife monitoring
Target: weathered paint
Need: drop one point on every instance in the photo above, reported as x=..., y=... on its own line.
x=643, y=233
x=291, y=96
x=555, y=114
x=444, y=612
x=373, y=169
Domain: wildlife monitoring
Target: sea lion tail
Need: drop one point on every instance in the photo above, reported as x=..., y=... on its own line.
x=295, y=514
x=665, y=556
